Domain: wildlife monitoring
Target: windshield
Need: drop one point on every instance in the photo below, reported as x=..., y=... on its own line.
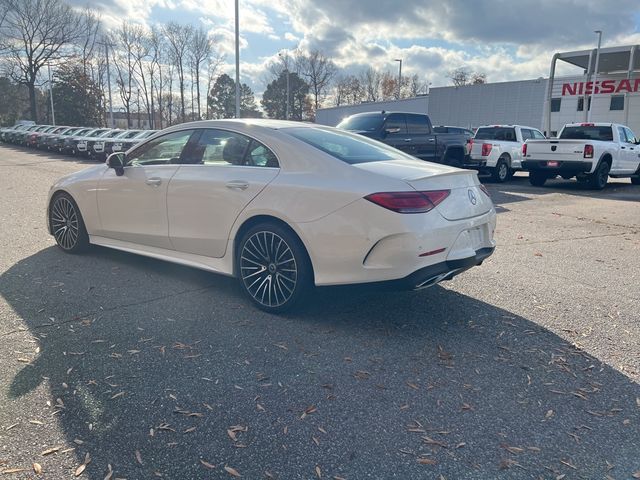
x=362, y=123
x=507, y=134
x=592, y=132
x=345, y=146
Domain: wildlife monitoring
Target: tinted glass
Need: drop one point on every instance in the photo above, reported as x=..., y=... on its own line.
x=617, y=102
x=417, y=124
x=165, y=149
x=364, y=123
x=507, y=134
x=346, y=147
x=555, y=104
x=622, y=134
x=537, y=135
x=440, y=129
x=526, y=134
x=396, y=120
x=588, y=133
x=631, y=138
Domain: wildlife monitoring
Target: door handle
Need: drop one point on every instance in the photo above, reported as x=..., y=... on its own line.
x=431, y=140
x=154, y=181
x=407, y=139
x=237, y=185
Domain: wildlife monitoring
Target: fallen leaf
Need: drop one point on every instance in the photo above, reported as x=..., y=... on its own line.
x=139, y=457
x=109, y=472
x=427, y=461
x=636, y=474
x=37, y=468
x=36, y=422
x=315, y=440
x=549, y=414
x=568, y=464
x=189, y=430
x=79, y=470
x=413, y=385
x=232, y=471
x=13, y=470
x=318, y=472
x=207, y=464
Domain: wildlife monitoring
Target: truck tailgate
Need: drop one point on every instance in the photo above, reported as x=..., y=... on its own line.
x=561, y=150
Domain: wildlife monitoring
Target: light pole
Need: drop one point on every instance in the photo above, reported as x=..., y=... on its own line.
x=237, y=59
x=286, y=69
x=53, y=114
x=595, y=76
x=399, y=75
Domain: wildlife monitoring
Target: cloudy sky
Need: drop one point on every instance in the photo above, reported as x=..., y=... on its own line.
x=506, y=39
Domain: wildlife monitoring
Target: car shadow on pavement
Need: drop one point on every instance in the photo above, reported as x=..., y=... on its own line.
x=156, y=369
x=52, y=156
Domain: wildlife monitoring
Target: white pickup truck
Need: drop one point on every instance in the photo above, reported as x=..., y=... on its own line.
x=497, y=149
x=591, y=152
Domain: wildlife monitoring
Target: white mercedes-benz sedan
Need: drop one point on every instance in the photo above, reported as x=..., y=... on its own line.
x=280, y=205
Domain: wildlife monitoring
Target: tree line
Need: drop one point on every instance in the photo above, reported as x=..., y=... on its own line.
x=160, y=76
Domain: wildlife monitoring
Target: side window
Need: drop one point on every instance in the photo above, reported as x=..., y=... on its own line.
x=220, y=147
x=526, y=134
x=631, y=138
x=162, y=150
x=396, y=120
x=537, y=135
x=623, y=135
x=417, y=124
x=555, y=104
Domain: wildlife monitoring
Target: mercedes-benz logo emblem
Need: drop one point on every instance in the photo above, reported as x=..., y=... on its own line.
x=472, y=197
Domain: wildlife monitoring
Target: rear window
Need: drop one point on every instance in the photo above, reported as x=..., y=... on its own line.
x=345, y=146
x=440, y=129
x=604, y=134
x=364, y=123
x=506, y=134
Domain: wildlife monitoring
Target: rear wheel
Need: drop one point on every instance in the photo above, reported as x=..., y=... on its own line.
x=598, y=179
x=273, y=267
x=537, y=179
x=635, y=180
x=66, y=224
x=501, y=172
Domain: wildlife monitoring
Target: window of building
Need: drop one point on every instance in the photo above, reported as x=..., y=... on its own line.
x=617, y=102
x=581, y=104
x=555, y=104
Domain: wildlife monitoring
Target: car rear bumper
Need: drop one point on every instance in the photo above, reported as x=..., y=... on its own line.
x=562, y=167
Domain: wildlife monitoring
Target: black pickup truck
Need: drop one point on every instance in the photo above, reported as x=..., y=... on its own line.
x=412, y=133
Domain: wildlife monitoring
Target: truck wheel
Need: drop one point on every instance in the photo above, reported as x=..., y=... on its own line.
x=537, y=179
x=501, y=172
x=635, y=180
x=598, y=179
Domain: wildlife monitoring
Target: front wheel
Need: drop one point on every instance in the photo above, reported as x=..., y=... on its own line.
x=273, y=267
x=66, y=224
x=537, y=179
x=598, y=179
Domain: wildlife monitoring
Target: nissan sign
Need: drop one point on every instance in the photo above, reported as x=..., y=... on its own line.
x=601, y=86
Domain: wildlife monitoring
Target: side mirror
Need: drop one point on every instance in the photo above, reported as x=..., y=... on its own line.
x=117, y=161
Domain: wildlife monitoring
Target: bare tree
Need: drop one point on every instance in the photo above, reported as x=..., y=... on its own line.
x=200, y=50
x=213, y=63
x=459, y=76
x=478, y=78
x=124, y=63
x=371, y=81
x=36, y=33
x=157, y=57
x=90, y=23
x=178, y=38
x=140, y=49
x=318, y=71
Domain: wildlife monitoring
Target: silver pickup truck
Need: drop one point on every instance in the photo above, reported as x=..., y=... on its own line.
x=591, y=152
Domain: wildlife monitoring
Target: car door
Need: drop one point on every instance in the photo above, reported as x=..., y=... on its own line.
x=395, y=133
x=133, y=206
x=422, y=139
x=516, y=157
x=221, y=173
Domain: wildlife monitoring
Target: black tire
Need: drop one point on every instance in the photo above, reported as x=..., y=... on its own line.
x=273, y=267
x=598, y=179
x=66, y=224
x=537, y=179
x=501, y=172
x=635, y=180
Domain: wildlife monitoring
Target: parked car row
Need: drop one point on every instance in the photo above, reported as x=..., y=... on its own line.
x=591, y=152
x=91, y=142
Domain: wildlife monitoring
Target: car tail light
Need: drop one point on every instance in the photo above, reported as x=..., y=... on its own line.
x=484, y=189
x=486, y=149
x=409, y=202
x=587, y=124
x=524, y=149
x=588, y=151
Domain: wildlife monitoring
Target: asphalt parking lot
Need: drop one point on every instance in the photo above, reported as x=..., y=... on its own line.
x=117, y=366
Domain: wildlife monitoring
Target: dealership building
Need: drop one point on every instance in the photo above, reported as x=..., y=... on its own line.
x=611, y=94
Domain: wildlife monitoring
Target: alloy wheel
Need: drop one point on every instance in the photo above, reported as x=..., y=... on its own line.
x=268, y=269
x=64, y=223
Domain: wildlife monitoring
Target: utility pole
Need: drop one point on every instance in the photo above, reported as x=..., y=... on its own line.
x=595, y=75
x=237, y=59
x=399, y=76
x=106, y=51
x=53, y=113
